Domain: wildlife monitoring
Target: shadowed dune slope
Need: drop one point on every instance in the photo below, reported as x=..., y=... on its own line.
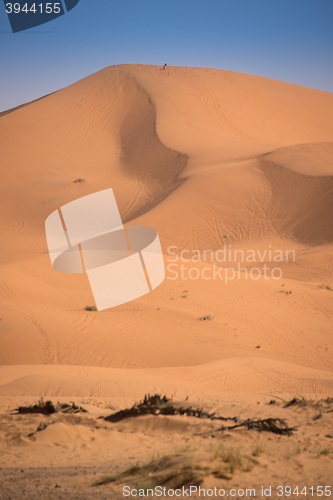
x=101, y=129
x=300, y=206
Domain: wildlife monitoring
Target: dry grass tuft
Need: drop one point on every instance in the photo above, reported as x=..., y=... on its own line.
x=323, y=452
x=258, y=450
x=232, y=457
x=168, y=471
x=326, y=287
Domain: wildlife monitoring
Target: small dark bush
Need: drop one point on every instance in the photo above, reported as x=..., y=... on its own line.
x=91, y=308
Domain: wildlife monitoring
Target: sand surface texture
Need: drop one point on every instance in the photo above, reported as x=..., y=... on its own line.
x=212, y=160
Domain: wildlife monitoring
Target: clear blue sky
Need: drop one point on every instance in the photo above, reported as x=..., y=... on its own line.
x=289, y=40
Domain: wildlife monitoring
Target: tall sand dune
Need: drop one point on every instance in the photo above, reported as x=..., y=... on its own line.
x=208, y=158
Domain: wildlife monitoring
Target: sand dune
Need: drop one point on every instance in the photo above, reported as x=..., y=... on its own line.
x=198, y=154
x=250, y=376
x=208, y=158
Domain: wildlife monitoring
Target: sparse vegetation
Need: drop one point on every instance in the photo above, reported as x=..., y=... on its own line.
x=326, y=287
x=184, y=296
x=156, y=405
x=78, y=180
x=47, y=408
x=91, y=308
x=293, y=402
x=258, y=450
x=105, y=480
x=168, y=471
x=274, y=425
x=324, y=452
x=207, y=453
x=206, y=318
x=180, y=469
x=287, y=292
x=248, y=465
x=221, y=473
x=232, y=457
